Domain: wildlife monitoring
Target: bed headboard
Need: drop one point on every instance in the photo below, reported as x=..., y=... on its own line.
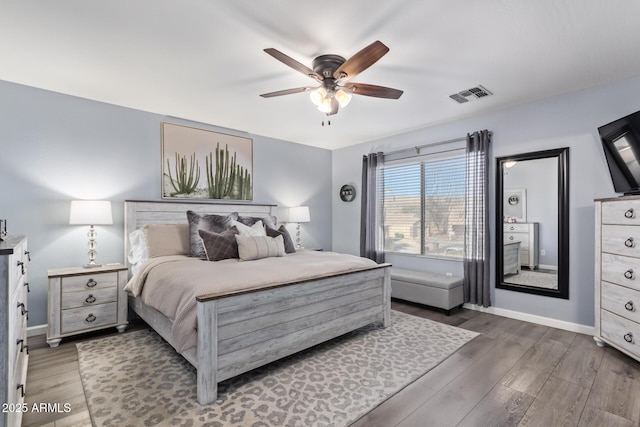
x=139, y=212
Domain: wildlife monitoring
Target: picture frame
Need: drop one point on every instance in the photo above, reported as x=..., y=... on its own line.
x=515, y=205
x=204, y=164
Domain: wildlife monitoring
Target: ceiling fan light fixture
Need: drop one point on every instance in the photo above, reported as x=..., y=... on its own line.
x=342, y=97
x=318, y=95
x=325, y=105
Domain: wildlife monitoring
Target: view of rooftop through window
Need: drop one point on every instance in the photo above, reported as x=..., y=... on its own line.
x=423, y=207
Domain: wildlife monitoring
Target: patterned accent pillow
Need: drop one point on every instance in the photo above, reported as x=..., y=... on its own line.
x=257, y=229
x=219, y=246
x=257, y=247
x=268, y=221
x=209, y=222
x=289, y=247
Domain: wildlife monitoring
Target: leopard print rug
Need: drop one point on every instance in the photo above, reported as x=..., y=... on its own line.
x=137, y=379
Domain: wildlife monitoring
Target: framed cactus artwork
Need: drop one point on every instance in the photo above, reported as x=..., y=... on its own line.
x=203, y=164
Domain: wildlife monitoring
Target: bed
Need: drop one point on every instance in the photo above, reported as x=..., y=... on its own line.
x=239, y=331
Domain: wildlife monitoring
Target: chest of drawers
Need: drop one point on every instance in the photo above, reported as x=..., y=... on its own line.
x=14, y=260
x=86, y=299
x=617, y=274
x=527, y=234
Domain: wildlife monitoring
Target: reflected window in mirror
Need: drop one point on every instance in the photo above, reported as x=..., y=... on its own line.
x=532, y=223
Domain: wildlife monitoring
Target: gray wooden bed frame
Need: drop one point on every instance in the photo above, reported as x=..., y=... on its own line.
x=242, y=331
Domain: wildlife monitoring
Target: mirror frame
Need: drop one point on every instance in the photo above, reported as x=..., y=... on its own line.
x=562, y=154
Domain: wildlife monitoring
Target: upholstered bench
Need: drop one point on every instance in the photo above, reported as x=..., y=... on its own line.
x=436, y=290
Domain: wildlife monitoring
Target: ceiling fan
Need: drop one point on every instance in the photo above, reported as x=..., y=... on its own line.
x=334, y=73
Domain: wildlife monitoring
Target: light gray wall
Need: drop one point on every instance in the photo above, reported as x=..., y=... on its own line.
x=55, y=148
x=565, y=121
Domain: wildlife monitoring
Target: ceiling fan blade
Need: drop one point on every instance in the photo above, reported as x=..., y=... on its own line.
x=373, y=90
x=361, y=61
x=287, y=60
x=287, y=92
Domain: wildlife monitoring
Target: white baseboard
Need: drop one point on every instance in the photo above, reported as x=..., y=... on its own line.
x=32, y=331
x=533, y=318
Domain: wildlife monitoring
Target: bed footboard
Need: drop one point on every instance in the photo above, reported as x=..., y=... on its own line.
x=242, y=332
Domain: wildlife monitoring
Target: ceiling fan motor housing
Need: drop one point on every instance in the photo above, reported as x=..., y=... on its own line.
x=326, y=65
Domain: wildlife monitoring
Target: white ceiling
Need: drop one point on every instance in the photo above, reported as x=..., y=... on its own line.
x=204, y=60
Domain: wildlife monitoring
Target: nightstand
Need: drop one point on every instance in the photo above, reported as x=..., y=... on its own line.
x=86, y=299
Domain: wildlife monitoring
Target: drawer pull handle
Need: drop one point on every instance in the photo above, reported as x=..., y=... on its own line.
x=22, y=346
x=512, y=228
x=510, y=237
x=629, y=213
x=28, y=254
x=21, y=265
x=90, y=318
x=90, y=299
x=91, y=283
x=629, y=306
x=27, y=285
x=23, y=309
x=629, y=242
x=21, y=388
x=628, y=337
x=629, y=274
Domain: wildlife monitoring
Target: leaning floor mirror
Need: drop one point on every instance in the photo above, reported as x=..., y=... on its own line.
x=532, y=223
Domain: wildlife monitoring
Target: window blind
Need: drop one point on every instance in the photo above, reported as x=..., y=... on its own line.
x=423, y=205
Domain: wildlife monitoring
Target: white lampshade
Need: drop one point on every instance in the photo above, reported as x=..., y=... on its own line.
x=90, y=212
x=299, y=214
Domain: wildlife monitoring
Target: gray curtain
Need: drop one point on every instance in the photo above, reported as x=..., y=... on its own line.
x=371, y=241
x=477, y=286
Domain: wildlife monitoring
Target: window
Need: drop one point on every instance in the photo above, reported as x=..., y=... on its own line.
x=423, y=205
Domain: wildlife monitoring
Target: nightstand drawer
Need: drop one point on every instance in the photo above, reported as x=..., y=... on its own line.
x=77, y=319
x=89, y=298
x=515, y=228
x=89, y=281
x=523, y=238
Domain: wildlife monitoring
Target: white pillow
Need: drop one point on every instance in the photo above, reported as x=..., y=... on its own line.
x=256, y=229
x=138, y=252
x=257, y=247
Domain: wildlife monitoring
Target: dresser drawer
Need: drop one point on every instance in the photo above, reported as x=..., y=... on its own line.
x=89, y=281
x=620, y=331
x=624, y=212
x=77, y=319
x=622, y=301
x=89, y=298
x=621, y=240
x=523, y=238
x=621, y=270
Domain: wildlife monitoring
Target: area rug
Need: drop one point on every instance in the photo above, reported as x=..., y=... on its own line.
x=137, y=379
x=534, y=278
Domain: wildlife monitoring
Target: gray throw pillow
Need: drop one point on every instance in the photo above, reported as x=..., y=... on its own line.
x=289, y=247
x=219, y=246
x=268, y=221
x=208, y=222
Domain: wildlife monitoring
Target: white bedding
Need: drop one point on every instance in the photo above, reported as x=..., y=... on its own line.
x=171, y=284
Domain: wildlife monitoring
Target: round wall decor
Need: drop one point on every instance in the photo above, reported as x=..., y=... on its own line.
x=347, y=193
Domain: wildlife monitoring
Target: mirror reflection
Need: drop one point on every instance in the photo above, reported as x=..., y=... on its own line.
x=532, y=223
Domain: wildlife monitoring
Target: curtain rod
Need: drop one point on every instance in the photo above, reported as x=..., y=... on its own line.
x=417, y=148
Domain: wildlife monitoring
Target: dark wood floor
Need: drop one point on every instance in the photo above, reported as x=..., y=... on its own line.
x=514, y=374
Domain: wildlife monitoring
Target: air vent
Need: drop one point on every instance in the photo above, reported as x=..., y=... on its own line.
x=470, y=94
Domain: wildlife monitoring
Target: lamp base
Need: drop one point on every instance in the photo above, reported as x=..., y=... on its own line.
x=91, y=265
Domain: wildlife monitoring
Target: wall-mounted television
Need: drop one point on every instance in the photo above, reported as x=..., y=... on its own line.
x=621, y=144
